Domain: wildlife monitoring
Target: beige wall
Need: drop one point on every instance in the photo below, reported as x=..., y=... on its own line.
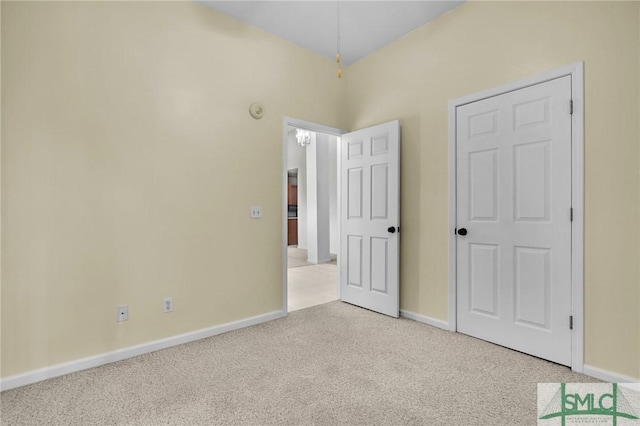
x=0, y=190
x=129, y=165
x=129, y=162
x=482, y=45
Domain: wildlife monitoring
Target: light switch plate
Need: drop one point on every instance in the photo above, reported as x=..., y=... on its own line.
x=256, y=212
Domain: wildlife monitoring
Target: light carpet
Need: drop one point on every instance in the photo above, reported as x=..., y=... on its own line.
x=331, y=364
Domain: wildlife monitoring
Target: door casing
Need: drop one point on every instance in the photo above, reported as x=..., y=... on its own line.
x=313, y=127
x=576, y=71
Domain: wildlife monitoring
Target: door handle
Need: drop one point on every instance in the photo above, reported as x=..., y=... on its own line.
x=391, y=229
x=462, y=231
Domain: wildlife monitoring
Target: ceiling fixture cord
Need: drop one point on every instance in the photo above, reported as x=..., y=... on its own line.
x=338, y=39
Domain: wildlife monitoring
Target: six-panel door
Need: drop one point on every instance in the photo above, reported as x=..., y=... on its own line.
x=369, y=208
x=514, y=200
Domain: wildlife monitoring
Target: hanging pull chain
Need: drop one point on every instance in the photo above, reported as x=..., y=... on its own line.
x=338, y=39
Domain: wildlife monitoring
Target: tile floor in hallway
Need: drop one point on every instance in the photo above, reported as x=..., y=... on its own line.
x=310, y=284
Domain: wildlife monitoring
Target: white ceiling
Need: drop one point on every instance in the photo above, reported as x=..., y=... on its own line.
x=365, y=26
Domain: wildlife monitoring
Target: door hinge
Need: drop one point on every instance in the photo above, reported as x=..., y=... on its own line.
x=570, y=322
x=571, y=106
x=571, y=214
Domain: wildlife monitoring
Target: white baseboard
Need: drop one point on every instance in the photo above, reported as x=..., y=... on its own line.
x=607, y=376
x=425, y=319
x=34, y=376
x=598, y=373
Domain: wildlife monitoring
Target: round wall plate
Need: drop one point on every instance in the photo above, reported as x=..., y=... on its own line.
x=256, y=110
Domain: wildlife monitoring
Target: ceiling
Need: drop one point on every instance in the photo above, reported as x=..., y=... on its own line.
x=365, y=26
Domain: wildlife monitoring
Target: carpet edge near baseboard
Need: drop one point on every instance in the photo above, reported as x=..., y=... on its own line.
x=38, y=375
x=588, y=370
x=424, y=319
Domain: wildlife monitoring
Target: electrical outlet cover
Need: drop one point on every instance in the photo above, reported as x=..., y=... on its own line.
x=256, y=212
x=123, y=313
x=167, y=304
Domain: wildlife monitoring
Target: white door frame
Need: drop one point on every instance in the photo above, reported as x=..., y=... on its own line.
x=576, y=71
x=313, y=127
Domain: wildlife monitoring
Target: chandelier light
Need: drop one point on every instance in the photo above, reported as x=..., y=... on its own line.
x=303, y=137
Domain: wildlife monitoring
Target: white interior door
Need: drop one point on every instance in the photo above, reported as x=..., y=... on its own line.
x=369, y=218
x=513, y=219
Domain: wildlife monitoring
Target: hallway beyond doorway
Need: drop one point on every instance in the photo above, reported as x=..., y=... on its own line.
x=310, y=284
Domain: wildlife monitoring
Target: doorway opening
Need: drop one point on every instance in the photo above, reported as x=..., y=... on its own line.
x=311, y=242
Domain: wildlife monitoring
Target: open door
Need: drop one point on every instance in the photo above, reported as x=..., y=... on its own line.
x=369, y=218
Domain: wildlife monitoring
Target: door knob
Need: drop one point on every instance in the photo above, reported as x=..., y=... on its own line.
x=462, y=231
x=391, y=229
